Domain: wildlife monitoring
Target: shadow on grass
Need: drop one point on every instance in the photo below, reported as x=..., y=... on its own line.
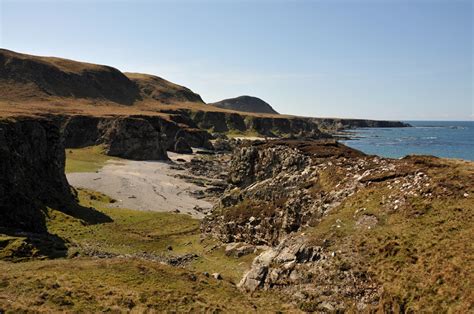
x=88, y=215
x=17, y=246
x=24, y=234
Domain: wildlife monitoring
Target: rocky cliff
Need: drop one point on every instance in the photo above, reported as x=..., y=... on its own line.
x=336, y=124
x=342, y=231
x=32, y=173
x=135, y=137
x=257, y=125
x=37, y=85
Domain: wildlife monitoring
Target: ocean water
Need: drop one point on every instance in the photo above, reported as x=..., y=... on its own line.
x=451, y=139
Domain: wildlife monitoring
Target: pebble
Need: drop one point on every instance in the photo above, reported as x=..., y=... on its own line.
x=217, y=276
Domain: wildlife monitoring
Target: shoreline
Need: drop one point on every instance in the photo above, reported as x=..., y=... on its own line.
x=145, y=185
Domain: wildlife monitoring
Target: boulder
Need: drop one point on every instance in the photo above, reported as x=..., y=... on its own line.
x=133, y=138
x=239, y=249
x=182, y=147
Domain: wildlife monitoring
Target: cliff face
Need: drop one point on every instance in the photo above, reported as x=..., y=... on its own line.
x=263, y=126
x=133, y=137
x=32, y=173
x=336, y=124
x=272, y=196
x=346, y=230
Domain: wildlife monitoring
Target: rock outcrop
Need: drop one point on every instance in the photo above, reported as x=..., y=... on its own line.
x=336, y=124
x=133, y=138
x=258, y=125
x=32, y=173
x=271, y=191
x=182, y=147
x=340, y=226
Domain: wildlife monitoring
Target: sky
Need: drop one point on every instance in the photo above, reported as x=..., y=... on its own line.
x=377, y=59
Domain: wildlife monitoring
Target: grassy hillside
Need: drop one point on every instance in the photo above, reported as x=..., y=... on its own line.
x=120, y=266
x=419, y=249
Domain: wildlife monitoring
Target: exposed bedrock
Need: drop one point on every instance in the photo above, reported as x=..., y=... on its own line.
x=342, y=124
x=265, y=126
x=276, y=189
x=32, y=173
x=325, y=213
x=133, y=137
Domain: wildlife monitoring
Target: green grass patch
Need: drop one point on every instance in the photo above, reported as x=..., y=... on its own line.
x=129, y=282
x=136, y=232
x=119, y=285
x=87, y=159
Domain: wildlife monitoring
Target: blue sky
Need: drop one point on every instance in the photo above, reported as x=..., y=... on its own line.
x=382, y=59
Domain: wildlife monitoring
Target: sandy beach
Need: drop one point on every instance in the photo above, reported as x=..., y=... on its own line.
x=144, y=185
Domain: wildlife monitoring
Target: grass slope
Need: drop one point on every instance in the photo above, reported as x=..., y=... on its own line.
x=129, y=278
x=88, y=159
x=420, y=250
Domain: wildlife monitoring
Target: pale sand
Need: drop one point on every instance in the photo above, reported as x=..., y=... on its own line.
x=143, y=185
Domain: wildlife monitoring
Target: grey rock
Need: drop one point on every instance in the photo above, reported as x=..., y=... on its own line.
x=182, y=147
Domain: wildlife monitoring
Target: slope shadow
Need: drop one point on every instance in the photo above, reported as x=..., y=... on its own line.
x=24, y=235
x=88, y=215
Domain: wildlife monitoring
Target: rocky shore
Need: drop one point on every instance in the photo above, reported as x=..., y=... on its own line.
x=173, y=204
x=329, y=217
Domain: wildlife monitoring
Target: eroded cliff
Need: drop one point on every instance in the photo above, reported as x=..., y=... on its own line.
x=32, y=167
x=344, y=231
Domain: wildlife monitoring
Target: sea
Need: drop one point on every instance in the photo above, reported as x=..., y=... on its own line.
x=450, y=139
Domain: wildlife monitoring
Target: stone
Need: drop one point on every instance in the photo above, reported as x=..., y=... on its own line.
x=253, y=279
x=132, y=138
x=217, y=276
x=239, y=249
x=182, y=147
